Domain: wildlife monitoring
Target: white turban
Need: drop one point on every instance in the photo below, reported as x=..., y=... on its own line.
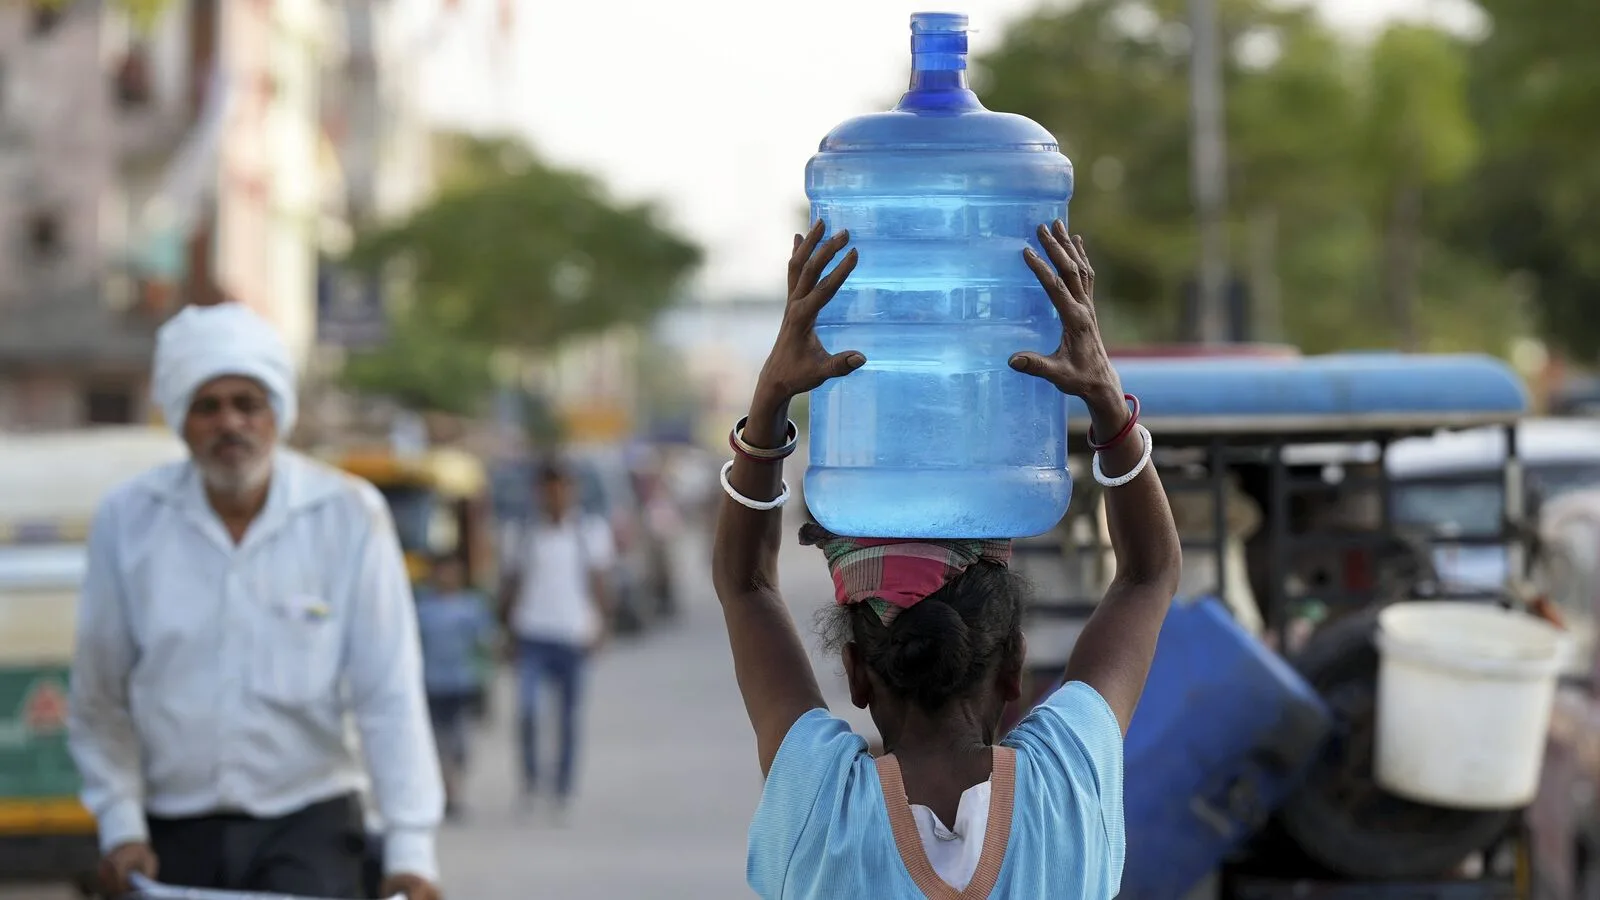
x=202, y=343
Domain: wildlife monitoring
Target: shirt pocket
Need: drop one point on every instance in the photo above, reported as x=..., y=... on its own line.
x=299, y=652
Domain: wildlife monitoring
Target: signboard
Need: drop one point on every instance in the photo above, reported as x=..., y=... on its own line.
x=44, y=712
x=350, y=308
x=34, y=760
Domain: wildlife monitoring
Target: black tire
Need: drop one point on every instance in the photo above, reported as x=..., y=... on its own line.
x=1339, y=817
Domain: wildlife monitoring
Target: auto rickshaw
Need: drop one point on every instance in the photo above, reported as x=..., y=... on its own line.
x=440, y=501
x=1276, y=467
x=50, y=486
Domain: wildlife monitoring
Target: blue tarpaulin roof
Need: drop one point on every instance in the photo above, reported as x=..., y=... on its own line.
x=1318, y=393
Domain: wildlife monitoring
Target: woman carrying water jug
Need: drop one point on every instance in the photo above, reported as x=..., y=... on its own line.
x=930, y=633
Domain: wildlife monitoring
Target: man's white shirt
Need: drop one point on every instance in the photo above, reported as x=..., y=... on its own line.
x=213, y=677
x=556, y=560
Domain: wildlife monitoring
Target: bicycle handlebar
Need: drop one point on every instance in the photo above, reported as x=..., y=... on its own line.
x=150, y=889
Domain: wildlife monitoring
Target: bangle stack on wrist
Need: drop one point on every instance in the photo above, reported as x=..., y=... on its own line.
x=759, y=454
x=1116, y=440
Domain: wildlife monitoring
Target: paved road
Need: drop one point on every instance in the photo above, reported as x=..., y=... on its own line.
x=670, y=779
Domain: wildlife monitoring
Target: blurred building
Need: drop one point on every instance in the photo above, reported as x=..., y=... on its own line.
x=81, y=101
x=592, y=386
x=376, y=165
x=267, y=190
x=724, y=343
x=222, y=151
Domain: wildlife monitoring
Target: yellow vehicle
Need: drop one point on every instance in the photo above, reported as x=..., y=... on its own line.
x=50, y=485
x=440, y=504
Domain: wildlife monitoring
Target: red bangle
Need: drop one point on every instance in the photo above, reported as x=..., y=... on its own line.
x=1127, y=429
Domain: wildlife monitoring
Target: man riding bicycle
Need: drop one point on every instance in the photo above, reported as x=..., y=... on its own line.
x=241, y=609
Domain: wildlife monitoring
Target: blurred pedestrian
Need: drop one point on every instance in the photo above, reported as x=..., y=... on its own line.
x=240, y=609
x=457, y=630
x=556, y=604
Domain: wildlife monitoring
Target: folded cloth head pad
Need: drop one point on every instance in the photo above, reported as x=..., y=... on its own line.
x=203, y=343
x=894, y=574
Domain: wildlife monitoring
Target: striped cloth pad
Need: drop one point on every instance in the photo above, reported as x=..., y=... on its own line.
x=892, y=574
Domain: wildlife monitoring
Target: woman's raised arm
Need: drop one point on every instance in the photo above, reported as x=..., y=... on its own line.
x=769, y=658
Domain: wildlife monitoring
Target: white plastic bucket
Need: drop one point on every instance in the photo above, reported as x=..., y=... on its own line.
x=1464, y=697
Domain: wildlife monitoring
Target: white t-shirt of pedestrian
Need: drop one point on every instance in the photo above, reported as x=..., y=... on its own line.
x=556, y=602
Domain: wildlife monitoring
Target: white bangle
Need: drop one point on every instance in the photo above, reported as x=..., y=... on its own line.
x=746, y=502
x=1120, y=480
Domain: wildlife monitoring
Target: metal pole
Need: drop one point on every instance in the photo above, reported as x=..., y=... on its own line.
x=1209, y=154
x=361, y=112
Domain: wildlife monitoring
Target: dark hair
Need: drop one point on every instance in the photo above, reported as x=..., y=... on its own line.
x=943, y=648
x=552, y=471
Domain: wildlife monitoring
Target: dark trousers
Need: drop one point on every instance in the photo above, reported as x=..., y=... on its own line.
x=452, y=727
x=315, y=852
x=563, y=665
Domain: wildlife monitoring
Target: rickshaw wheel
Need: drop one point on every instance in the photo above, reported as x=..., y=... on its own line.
x=1339, y=817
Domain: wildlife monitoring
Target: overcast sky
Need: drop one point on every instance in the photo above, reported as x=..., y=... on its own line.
x=714, y=106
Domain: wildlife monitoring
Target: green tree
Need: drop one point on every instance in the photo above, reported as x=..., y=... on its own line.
x=424, y=368
x=1532, y=205
x=1315, y=129
x=144, y=14
x=513, y=253
x=1419, y=136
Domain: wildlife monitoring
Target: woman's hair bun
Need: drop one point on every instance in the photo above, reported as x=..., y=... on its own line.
x=929, y=652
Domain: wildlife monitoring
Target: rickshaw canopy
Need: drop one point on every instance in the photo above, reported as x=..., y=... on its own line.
x=1302, y=397
x=57, y=479
x=453, y=473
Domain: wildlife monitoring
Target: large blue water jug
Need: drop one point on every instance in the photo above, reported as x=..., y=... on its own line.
x=937, y=436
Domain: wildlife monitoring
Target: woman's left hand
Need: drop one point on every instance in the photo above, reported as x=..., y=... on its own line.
x=798, y=362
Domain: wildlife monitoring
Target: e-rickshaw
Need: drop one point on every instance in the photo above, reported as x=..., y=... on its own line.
x=440, y=501
x=50, y=486
x=1275, y=466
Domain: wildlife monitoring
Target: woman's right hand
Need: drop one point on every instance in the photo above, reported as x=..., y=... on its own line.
x=798, y=362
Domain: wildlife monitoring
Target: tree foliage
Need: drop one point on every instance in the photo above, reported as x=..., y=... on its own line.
x=1342, y=163
x=512, y=253
x=1532, y=204
x=425, y=369
x=143, y=14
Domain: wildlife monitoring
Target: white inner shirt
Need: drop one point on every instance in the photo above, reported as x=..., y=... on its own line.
x=954, y=852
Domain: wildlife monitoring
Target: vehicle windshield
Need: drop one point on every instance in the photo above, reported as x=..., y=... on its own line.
x=1473, y=508
x=414, y=510
x=36, y=566
x=1553, y=481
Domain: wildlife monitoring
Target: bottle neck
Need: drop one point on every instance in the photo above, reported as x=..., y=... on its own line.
x=939, y=72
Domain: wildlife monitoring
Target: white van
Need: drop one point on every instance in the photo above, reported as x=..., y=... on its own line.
x=1451, y=487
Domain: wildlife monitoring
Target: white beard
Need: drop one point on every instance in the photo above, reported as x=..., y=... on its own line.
x=236, y=482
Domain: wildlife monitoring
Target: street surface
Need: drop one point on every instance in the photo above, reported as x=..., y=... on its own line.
x=669, y=781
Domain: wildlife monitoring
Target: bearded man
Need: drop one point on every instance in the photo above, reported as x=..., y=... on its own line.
x=241, y=611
